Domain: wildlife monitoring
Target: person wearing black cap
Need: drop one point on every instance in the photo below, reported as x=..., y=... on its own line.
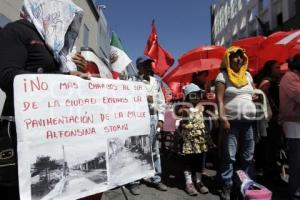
x=156, y=102
x=290, y=113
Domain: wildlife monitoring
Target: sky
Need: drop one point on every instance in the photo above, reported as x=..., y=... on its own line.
x=181, y=24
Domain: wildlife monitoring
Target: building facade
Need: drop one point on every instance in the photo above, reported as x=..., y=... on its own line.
x=236, y=19
x=94, y=32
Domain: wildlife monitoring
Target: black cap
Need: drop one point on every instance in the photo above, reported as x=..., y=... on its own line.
x=143, y=59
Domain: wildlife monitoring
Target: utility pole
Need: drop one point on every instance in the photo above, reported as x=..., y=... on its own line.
x=64, y=161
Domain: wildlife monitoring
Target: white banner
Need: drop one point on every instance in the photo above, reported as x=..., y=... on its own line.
x=79, y=137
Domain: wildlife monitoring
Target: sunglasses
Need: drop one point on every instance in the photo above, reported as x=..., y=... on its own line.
x=239, y=53
x=195, y=95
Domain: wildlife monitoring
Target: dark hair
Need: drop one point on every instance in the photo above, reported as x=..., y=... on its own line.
x=203, y=72
x=143, y=64
x=194, y=78
x=294, y=63
x=195, y=75
x=265, y=71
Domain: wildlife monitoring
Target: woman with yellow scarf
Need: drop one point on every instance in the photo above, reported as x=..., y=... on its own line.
x=234, y=91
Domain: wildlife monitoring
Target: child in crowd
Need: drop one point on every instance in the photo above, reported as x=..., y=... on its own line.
x=192, y=130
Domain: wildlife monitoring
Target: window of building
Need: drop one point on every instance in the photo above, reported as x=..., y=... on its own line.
x=104, y=36
x=3, y=20
x=264, y=4
x=253, y=33
x=227, y=13
x=235, y=29
x=245, y=2
x=222, y=41
x=234, y=37
x=85, y=36
x=228, y=43
x=242, y=32
x=279, y=19
x=233, y=9
x=243, y=22
x=297, y=6
x=253, y=14
x=240, y=5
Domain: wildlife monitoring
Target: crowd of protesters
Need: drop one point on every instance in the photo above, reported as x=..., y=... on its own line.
x=245, y=141
x=239, y=143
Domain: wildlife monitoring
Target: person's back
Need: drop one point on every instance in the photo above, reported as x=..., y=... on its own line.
x=289, y=96
x=290, y=112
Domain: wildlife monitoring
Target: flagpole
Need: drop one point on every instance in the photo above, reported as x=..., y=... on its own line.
x=133, y=68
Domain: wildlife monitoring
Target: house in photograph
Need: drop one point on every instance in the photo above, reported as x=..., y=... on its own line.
x=61, y=173
x=141, y=143
x=99, y=162
x=130, y=158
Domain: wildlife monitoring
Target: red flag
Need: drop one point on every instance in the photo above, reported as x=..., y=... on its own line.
x=162, y=59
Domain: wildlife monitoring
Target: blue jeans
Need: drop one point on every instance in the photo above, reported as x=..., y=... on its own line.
x=155, y=150
x=294, y=165
x=240, y=136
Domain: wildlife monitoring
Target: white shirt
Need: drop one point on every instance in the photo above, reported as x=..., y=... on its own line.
x=153, y=89
x=238, y=101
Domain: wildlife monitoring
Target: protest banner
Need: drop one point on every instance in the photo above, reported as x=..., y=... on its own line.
x=79, y=137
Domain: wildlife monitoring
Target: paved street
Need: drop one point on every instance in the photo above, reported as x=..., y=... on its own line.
x=152, y=194
x=174, y=179
x=127, y=162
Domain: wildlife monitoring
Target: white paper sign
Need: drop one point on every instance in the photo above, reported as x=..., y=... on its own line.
x=79, y=137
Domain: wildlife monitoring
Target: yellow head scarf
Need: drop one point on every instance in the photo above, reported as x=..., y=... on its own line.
x=238, y=79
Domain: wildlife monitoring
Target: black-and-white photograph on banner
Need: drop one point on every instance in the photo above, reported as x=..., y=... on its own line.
x=67, y=170
x=128, y=157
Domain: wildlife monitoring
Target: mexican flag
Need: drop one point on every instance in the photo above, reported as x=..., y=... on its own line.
x=118, y=57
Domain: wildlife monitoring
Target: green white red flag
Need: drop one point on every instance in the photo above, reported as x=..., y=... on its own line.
x=118, y=56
